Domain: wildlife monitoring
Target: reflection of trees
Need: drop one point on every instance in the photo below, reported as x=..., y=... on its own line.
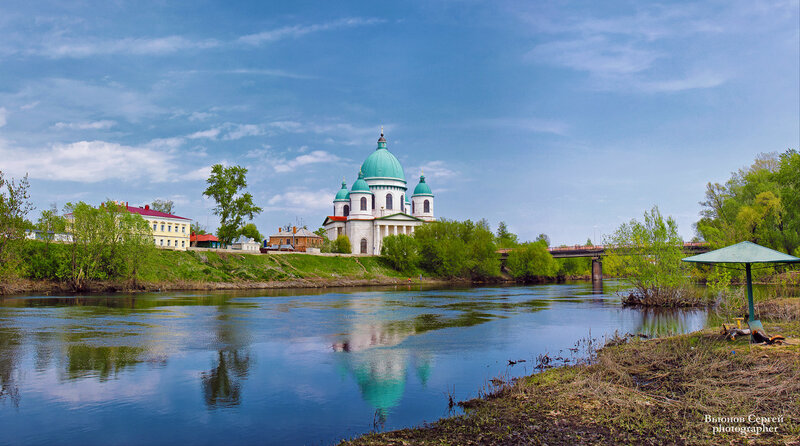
x=10, y=353
x=105, y=360
x=222, y=384
x=669, y=321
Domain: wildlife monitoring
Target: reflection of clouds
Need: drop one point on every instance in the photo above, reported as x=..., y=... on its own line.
x=376, y=334
x=90, y=391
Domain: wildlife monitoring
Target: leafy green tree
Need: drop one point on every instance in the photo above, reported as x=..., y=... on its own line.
x=531, y=261
x=14, y=207
x=226, y=186
x=50, y=223
x=589, y=242
x=327, y=244
x=544, y=239
x=162, y=206
x=250, y=230
x=400, y=251
x=458, y=249
x=649, y=254
x=505, y=238
x=574, y=266
x=108, y=243
x=342, y=245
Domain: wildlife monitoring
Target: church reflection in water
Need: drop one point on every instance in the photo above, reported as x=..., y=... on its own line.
x=370, y=352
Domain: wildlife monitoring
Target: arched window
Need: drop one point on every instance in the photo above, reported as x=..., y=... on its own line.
x=346, y=210
x=413, y=206
x=388, y=201
x=426, y=206
x=402, y=203
x=334, y=209
x=373, y=202
x=363, y=246
x=363, y=203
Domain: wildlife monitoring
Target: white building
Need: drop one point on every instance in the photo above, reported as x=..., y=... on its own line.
x=378, y=204
x=246, y=244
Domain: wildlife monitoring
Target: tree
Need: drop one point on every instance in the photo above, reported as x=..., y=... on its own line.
x=226, y=186
x=14, y=207
x=505, y=239
x=400, y=251
x=164, y=206
x=108, y=243
x=198, y=229
x=342, y=245
x=458, y=249
x=649, y=254
x=50, y=223
x=327, y=244
x=531, y=261
x=589, y=242
x=249, y=230
x=543, y=238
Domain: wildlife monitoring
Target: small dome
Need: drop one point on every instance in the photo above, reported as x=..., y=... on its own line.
x=343, y=194
x=360, y=186
x=422, y=188
x=382, y=164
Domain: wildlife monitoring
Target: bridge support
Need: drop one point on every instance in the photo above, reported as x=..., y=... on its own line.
x=597, y=269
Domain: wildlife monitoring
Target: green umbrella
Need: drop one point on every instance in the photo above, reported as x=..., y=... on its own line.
x=747, y=253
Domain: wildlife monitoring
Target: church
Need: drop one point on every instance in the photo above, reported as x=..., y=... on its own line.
x=378, y=204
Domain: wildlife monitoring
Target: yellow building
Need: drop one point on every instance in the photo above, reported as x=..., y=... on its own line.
x=169, y=231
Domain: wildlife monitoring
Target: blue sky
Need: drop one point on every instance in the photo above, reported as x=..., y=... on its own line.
x=564, y=118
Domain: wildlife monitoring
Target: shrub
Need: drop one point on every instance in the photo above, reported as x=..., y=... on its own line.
x=531, y=261
x=401, y=251
x=342, y=245
x=465, y=249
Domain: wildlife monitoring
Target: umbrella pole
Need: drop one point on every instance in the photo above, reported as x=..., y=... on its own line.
x=750, y=306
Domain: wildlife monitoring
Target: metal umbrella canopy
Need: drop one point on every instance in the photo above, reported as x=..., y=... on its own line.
x=747, y=253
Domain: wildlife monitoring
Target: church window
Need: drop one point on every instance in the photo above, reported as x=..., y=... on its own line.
x=373, y=202
x=363, y=246
x=363, y=203
x=413, y=206
x=426, y=206
x=388, y=201
x=402, y=203
x=346, y=210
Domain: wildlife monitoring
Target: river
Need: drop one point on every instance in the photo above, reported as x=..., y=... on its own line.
x=282, y=366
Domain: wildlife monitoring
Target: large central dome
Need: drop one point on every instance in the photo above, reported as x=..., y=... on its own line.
x=381, y=164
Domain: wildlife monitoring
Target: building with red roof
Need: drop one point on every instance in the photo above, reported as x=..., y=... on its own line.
x=204, y=241
x=169, y=231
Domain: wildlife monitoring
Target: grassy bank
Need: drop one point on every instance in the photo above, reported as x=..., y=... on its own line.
x=176, y=270
x=640, y=392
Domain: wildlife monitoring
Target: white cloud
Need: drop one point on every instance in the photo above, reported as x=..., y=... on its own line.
x=29, y=105
x=200, y=116
x=282, y=165
x=337, y=133
x=691, y=82
x=59, y=47
x=301, y=200
x=3, y=115
x=295, y=31
x=596, y=55
x=239, y=131
x=90, y=125
x=435, y=169
x=90, y=162
x=207, y=134
x=198, y=174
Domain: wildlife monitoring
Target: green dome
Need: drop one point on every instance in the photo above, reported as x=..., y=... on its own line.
x=360, y=185
x=343, y=194
x=422, y=188
x=382, y=164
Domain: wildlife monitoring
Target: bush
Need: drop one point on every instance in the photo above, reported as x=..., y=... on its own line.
x=458, y=249
x=400, y=251
x=531, y=261
x=342, y=245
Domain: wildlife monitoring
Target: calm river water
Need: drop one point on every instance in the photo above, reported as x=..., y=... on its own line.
x=280, y=367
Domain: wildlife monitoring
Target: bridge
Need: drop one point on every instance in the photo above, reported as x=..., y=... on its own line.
x=596, y=253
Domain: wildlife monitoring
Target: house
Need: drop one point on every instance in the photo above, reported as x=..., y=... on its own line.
x=169, y=231
x=58, y=237
x=378, y=205
x=204, y=241
x=300, y=239
x=246, y=244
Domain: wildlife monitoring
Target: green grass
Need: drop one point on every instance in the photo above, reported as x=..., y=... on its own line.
x=171, y=266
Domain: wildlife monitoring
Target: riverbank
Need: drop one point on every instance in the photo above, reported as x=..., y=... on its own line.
x=662, y=391
x=192, y=270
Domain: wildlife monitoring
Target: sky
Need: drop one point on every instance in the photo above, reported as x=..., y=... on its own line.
x=560, y=117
